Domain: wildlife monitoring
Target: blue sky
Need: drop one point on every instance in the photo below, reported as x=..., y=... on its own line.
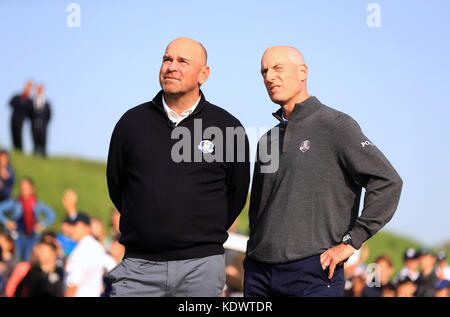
x=394, y=80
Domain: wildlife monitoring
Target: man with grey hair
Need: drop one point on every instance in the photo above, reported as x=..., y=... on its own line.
x=304, y=219
x=176, y=198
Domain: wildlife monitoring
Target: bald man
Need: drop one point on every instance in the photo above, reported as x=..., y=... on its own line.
x=175, y=193
x=304, y=221
x=69, y=202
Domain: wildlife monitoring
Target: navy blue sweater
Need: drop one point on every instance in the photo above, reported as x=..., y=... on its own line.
x=175, y=210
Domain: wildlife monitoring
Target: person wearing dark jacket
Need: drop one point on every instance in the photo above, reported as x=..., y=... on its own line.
x=21, y=107
x=427, y=279
x=7, y=176
x=384, y=268
x=179, y=179
x=40, y=117
x=303, y=214
x=45, y=278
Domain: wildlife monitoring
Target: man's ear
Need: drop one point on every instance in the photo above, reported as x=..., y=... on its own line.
x=303, y=71
x=204, y=74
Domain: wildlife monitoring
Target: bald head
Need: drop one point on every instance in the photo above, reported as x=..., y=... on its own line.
x=69, y=200
x=70, y=194
x=284, y=72
x=28, y=87
x=194, y=47
x=285, y=52
x=184, y=68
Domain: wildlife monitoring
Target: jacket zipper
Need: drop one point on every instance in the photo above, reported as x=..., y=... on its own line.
x=283, y=149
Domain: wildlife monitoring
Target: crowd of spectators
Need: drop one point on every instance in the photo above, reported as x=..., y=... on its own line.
x=37, y=261
x=425, y=273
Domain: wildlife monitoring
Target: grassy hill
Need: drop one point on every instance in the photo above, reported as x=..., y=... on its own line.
x=393, y=245
x=52, y=176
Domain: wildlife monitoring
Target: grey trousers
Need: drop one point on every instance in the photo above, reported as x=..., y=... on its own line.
x=201, y=277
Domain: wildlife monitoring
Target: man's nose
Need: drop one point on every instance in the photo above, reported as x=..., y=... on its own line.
x=270, y=76
x=173, y=66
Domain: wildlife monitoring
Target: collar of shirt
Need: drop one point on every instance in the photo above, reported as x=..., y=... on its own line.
x=175, y=117
x=282, y=116
x=39, y=102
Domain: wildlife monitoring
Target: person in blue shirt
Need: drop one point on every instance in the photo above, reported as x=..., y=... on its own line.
x=64, y=239
x=69, y=202
x=6, y=176
x=28, y=217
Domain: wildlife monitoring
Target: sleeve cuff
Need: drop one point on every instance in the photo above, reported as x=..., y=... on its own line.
x=359, y=236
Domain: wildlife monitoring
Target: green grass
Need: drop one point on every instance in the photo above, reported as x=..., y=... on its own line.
x=52, y=176
x=391, y=244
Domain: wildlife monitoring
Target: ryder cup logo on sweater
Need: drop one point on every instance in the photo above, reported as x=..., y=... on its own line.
x=206, y=146
x=305, y=146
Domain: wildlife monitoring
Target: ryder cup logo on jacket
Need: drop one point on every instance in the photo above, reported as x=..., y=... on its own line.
x=305, y=146
x=206, y=146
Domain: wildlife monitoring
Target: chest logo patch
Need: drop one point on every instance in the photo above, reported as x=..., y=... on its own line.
x=206, y=146
x=305, y=146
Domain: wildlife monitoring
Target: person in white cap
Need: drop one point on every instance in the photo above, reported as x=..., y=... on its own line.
x=87, y=263
x=410, y=266
x=442, y=269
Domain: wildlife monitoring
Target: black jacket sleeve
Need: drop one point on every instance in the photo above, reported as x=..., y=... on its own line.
x=115, y=166
x=370, y=169
x=13, y=101
x=238, y=177
x=48, y=113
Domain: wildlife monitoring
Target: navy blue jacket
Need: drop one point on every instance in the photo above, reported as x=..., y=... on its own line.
x=175, y=210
